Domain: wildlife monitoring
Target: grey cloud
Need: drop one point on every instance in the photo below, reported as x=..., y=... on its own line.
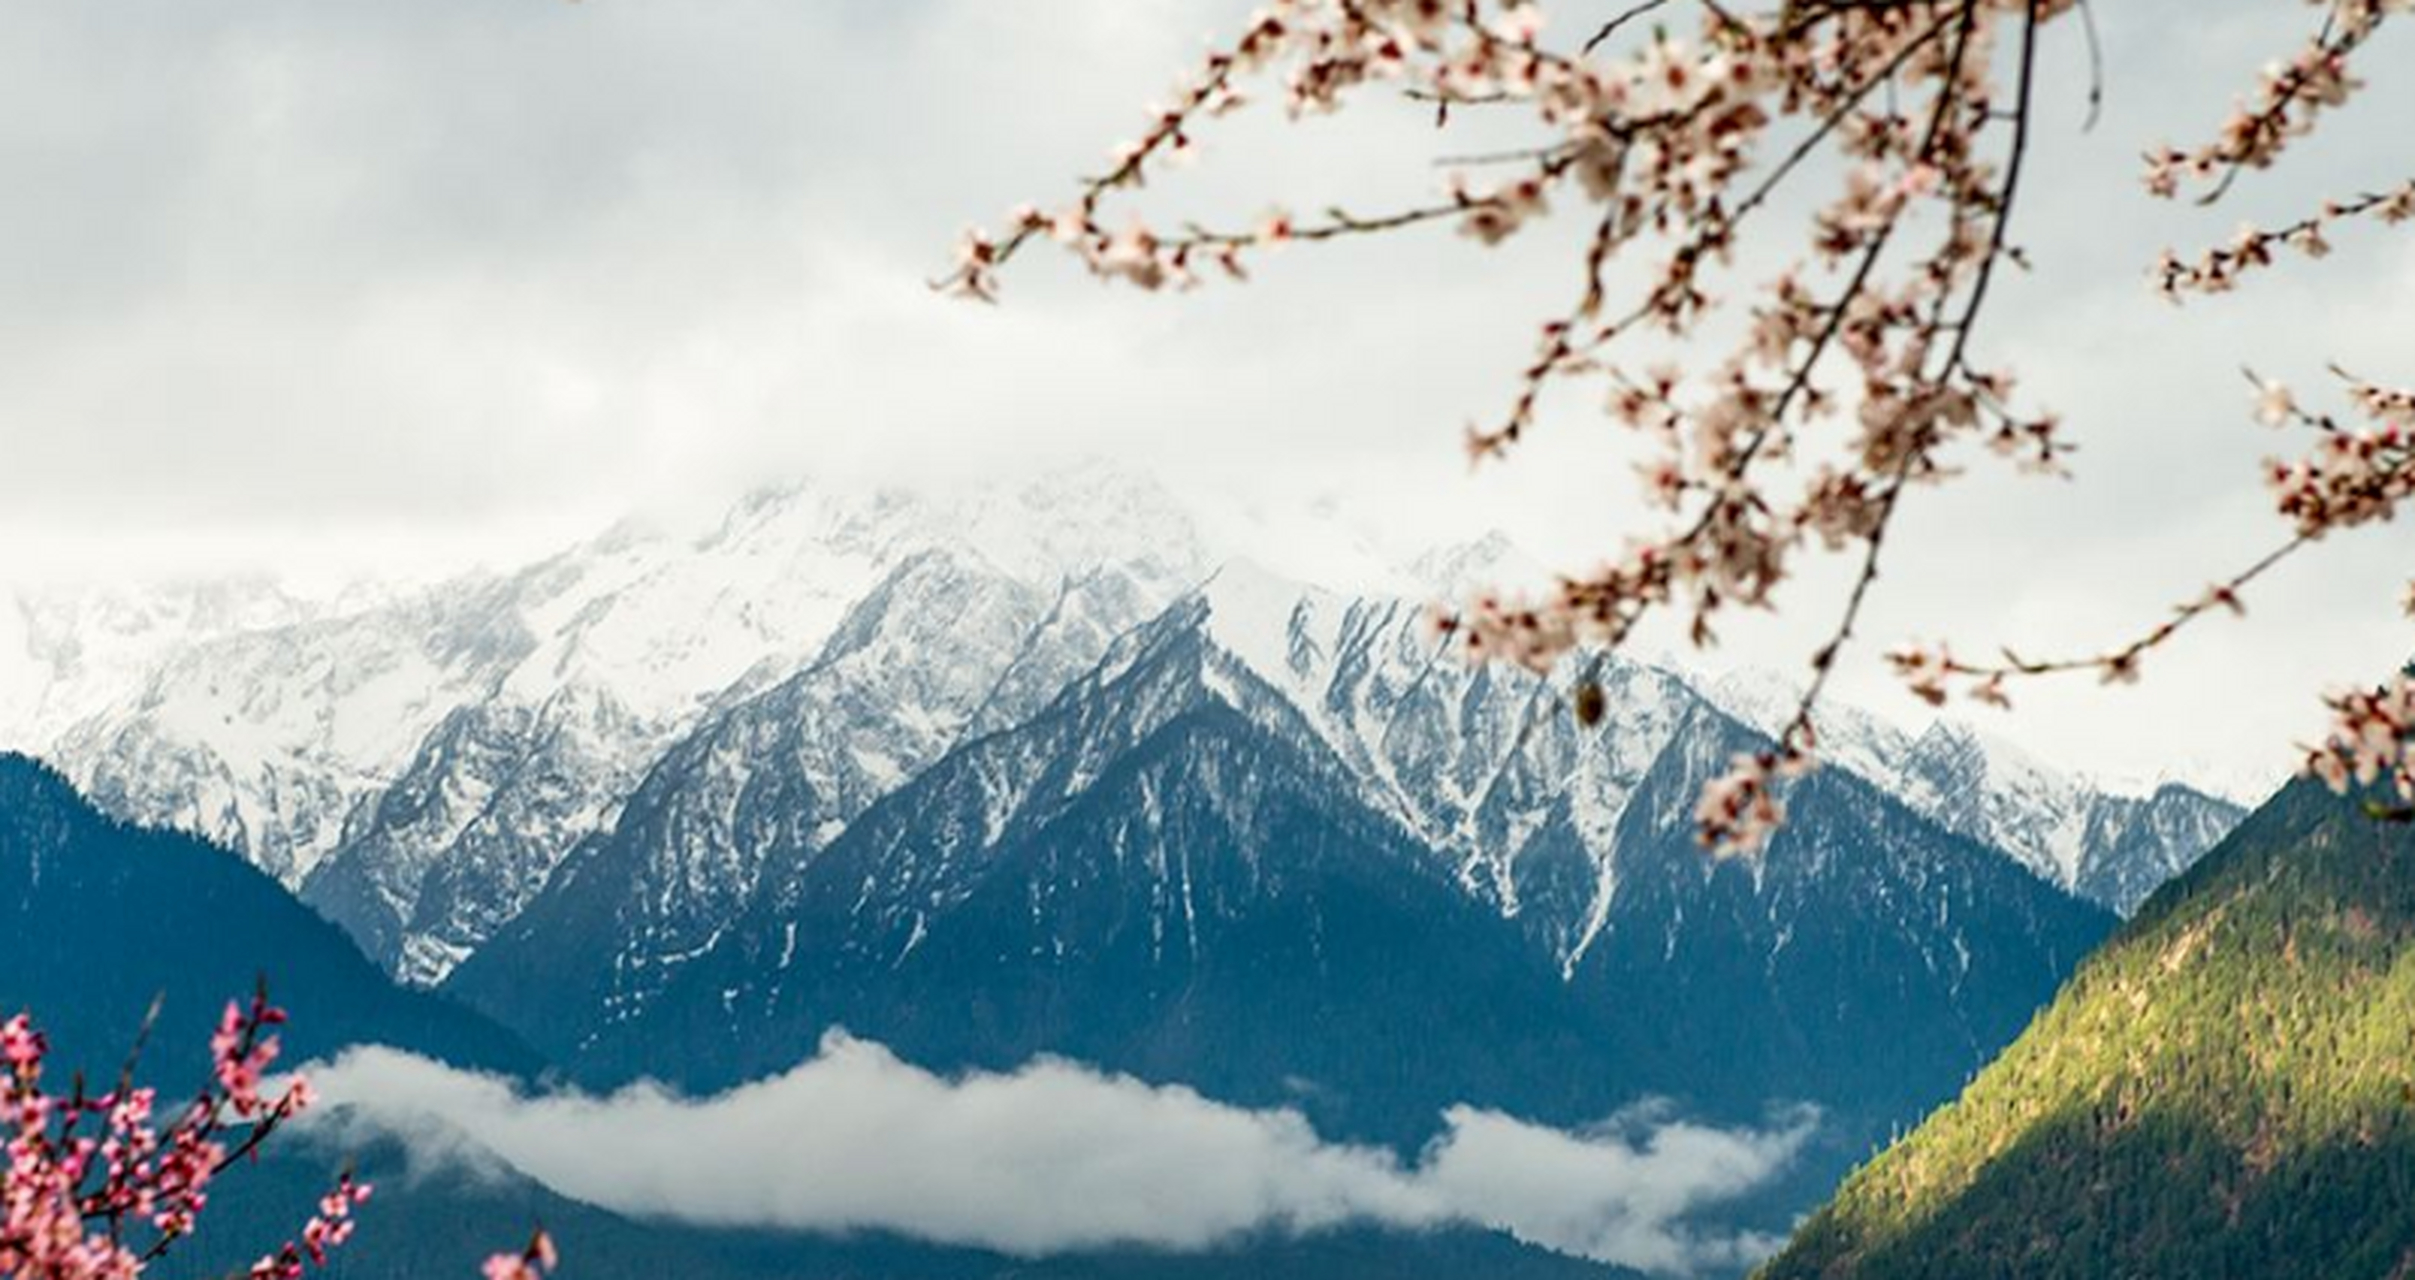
x=1056, y=1157
x=337, y=285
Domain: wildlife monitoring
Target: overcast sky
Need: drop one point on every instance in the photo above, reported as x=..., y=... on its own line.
x=334, y=287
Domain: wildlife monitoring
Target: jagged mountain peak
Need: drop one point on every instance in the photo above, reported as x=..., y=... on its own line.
x=1847, y=735
x=1476, y=763
x=924, y=589
x=945, y=649
x=1960, y=741
x=1179, y=868
x=67, y=652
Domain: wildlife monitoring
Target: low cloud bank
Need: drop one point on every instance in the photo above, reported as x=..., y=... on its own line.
x=1056, y=1158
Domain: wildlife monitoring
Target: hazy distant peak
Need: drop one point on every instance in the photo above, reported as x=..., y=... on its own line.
x=1495, y=561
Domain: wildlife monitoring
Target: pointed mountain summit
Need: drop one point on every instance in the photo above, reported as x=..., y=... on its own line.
x=942, y=645
x=1167, y=872
x=627, y=645
x=461, y=842
x=276, y=739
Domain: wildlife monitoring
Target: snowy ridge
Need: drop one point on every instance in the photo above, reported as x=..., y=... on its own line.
x=2112, y=845
x=944, y=641
x=1474, y=763
x=421, y=765
x=65, y=654
x=1265, y=831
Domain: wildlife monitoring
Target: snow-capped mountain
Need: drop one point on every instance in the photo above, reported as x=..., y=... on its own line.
x=1182, y=867
x=945, y=646
x=467, y=736
x=1472, y=761
x=264, y=741
x=623, y=646
x=67, y=653
x=1056, y=769
x=436, y=861
x=1467, y=763
x=2102, y=843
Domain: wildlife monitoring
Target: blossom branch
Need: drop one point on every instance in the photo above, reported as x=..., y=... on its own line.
x=1678, y=137
x=1928, y=670
x=2219, y=269
x=2372, y=743
x=2287, y=105
x=83, y=1172
x=2355, y=475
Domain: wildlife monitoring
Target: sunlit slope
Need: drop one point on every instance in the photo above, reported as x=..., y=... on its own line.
x=2226, y=1089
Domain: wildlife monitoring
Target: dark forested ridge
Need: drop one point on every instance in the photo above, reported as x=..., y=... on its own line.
x=97, y=918
x=2226, y=1089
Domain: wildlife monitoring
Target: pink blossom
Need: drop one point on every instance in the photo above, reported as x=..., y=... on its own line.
x=531, y=1263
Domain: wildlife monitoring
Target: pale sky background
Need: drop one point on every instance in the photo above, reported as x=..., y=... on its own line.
x=334, y=288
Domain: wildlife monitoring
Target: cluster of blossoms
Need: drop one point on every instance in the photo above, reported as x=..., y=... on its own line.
x=1675, y=140
x=532, y=1262
x=2355, y=475
x=1740, y=810
x=329, y=1227
x=1928, y=671
x=1855, y=379
x=97, y=1187
x=2372, y=740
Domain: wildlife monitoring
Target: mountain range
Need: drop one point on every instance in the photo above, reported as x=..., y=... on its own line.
x=1063, y=770
x=417, y=761
x=1176, y=870
x=103, y=925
